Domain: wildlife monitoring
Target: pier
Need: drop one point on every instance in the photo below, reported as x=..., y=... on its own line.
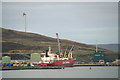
x=31, y=67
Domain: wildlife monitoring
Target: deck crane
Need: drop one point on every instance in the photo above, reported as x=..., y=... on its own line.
x=70, y=53
x=65, y=53
x=58, y=45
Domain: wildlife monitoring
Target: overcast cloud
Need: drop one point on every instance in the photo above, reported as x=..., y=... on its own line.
x=81, y=22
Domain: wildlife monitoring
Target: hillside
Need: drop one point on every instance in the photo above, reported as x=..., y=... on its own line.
x=23, y=44
x=112, y=47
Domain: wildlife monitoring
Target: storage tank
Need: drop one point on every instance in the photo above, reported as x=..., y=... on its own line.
x=35, y=57
x=6, y=59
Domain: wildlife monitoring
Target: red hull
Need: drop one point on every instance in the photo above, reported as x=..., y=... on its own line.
x=64, y=63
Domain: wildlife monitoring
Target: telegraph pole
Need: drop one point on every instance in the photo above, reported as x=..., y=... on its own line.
x=24, y=14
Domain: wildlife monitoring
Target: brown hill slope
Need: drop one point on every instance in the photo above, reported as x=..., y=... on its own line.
x=20, y=42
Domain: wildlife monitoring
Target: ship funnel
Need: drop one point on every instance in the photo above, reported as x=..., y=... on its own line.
x=47, y=53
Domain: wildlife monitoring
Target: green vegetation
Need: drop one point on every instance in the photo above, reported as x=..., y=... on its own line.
x=19, y=45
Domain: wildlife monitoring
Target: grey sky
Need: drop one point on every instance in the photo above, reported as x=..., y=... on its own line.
x=81, y=22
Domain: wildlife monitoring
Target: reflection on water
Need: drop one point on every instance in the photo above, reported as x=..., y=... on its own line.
x=73, y=72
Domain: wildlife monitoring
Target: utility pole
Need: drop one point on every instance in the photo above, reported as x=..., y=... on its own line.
x=24, y=14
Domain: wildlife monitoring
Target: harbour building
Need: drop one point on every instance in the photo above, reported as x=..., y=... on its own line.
x=6, y=59
x=99, y=57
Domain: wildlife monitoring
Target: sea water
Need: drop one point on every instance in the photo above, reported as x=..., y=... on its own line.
x=72, y=72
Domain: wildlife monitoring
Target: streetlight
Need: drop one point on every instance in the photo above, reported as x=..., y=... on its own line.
x=24, y=14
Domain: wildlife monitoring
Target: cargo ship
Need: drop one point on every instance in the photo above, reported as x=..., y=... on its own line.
x=61, y=59
x=50, y=59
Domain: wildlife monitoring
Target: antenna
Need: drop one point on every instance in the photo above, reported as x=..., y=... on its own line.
x=96, y=46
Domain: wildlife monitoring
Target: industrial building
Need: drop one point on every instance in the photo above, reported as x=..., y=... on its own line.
x=99, y=57
x=6, y=59
x=35, y=57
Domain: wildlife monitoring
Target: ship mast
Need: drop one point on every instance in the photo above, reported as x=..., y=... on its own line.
x=58, y=43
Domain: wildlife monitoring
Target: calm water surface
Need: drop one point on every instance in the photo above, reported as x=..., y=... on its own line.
x=73, y=72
